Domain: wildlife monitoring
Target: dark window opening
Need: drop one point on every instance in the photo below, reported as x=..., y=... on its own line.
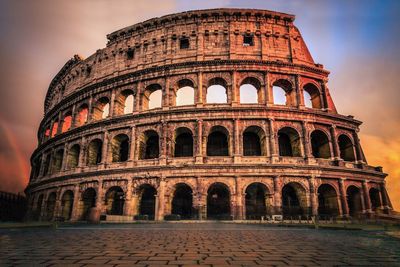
x=248, y=40
x=256, y=201
x=251, y=144
x=130, y=53
x=184, y=43
x=182, y=203
x=115, y=200
x=218, y=202
x=354, y=201
x=327, y=201
x=217, y=144
x=88, y=202
x=184, y=145
x=148, y=201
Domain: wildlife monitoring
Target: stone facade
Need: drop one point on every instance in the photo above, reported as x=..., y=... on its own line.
x=235, y=160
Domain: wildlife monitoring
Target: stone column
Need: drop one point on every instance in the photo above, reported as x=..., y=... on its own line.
x=159, y=216
x=336, y=151
x=100, y=197
x=64, y=163
x=236, y=138
x=343, y=197
x=60, y=123
x=235, y=100
x=306, y=141
x=299, y=92
x=313, y=196
x=199, y=97
x=277, y=195
x=128, y=199
x=57, y=207
x=82, y=152
x=104, y=149
x=90, y=110
x=73, y=116
x=199, y=142
x=273, y=139
x=269, y=98
x=367, y=200
x=385, y=201
x=357, y=146
x=166, y=94
x=132, y=143
x=75, y=205
x=324, y=103
x=112, y=104
x=164, y=140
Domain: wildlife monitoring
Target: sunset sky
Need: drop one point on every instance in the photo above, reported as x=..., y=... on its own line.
x=357, y=41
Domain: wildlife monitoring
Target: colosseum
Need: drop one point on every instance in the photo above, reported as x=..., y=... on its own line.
x=207, y=114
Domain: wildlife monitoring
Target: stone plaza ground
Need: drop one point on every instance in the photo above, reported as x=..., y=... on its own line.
x=200, y=244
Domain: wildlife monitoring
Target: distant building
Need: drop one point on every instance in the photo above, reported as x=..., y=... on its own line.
x=12, y=206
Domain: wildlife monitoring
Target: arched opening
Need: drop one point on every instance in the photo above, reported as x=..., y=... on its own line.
x=294, y=202
x=183, y=143
x=254, y=141
x=346, y=148
x=218, y=202
x=115, y=200
x=94, y=152
x=256, y=201
x=327, y=201
x=217, y=91
x=289, y=142
x=124, y=102
x=217, y=142
x=185, y=93
x=82, y=116
x=73, y=156
x=51, y=204
x=88, y=202
x=54, y=129
x=250, y=91
x=101, y=109
x=46, y=165
x=147, y=201
x=149, y=145
x=283, y=93
x=67, y=201
x=39, y=205
x=67, y=121
x=375, y=199
x=320, y=145
x=354, y=201
x=182, y=202
x=58, y=160
x=120, y=148
x=152, y=97
x=312, y=97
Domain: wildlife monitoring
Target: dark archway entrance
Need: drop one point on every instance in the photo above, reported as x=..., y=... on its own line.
x=115, y=200
x=320, y=145
x=182, y=203
x=327, y=201
x=218, y=202
x=354, y=201
x=183, y=143
x=66, y=205
x=256, y=201
x=217, y=142
x=293, y=200
x=375, y=199
x=148, y=201
x=88, y=202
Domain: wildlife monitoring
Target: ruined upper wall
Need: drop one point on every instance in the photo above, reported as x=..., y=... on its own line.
x=215, y=34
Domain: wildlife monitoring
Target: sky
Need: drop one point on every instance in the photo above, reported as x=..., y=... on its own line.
x=355, y=40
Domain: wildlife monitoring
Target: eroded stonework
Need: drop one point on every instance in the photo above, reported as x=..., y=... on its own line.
x=100, y=154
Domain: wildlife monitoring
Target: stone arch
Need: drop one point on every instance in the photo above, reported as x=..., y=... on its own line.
x=94, y=152
x=320, y=144
x=51, y=205
x=285, y=86
x=66, y=122
x=73, y=156
x=254, y=141
x=87, y=202
x=183, y=142
x=327, y=201
x=354, y=201
x=67, y=202
x=82, y=115
x=149, y=145
x=120, y=148
x=184, y=94
x=57, y=160
x=218, y=201
x=216, y=89
x=115, y=200
x=250, y=91
x=39, y=206
x=124, y=102
x=218, y=141
x=313, y=99
x=182, y=201
x=289, y=142
x=152, y=97
x=46, y=164
x=101, y=108
x=257, y=201
x=374, y=196
x=346, y=148
x=294, y=200
x=147, y=200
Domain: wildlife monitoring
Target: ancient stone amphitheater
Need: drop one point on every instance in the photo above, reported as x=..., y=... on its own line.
x=208, y=114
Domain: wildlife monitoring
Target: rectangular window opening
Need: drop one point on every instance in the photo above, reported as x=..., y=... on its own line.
x=248, y=40
x=184, y=43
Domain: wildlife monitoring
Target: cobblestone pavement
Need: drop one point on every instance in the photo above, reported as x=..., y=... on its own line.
x=207, y=244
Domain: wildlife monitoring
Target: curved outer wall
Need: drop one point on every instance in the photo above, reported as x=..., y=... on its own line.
x=227, y=47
